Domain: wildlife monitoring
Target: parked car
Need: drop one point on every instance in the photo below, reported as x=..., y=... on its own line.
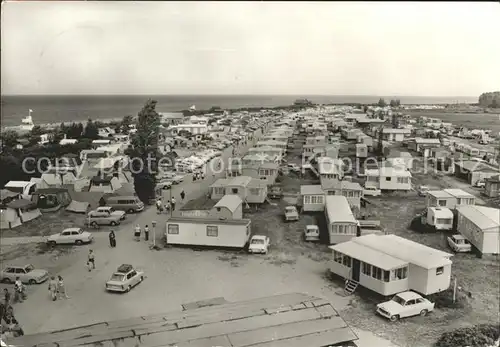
x=275, y=192
x=311, y=233
x=164, y=184
x=459, y=244
x=124, y=279
x=291, y=213
x=371, y=191
x=404, y=305
x=480, y=184
x=70, y=236
x=26, y=273
x=105, y=215
x=422, y=190
x=259, y=244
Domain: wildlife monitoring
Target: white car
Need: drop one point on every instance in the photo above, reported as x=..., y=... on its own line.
x=70, y=236
x=26, y=273
x=259, y=244
x=311, y=233
x=480, y=184
x=459, y=244
x=406, y=304
x=371, y=191
x=291, y=213
x=124, y=279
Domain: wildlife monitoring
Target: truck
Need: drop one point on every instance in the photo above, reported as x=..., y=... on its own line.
x=105, y=215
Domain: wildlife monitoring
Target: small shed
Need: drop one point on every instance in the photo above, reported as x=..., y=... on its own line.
x=492, y=187
x=361, y=150
x=481, y=226
x=313, y=198
x=229, y=207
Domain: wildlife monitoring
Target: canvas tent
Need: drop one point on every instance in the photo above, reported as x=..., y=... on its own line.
x=78, y=206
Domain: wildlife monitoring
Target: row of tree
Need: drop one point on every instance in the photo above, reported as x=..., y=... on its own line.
x=392, y=103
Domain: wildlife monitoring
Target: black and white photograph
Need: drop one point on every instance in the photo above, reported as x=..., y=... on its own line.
x=250, y=174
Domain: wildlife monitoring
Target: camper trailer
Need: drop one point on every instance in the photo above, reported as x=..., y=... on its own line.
x=441, y=218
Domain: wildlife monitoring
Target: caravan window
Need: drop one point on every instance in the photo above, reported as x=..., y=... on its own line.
x=441, y=202
x=173, y=229
x=439, y=271
x=212, y=231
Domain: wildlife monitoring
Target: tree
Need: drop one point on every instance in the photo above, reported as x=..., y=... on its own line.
x=91, y=130
x=395, y=103
x=395, y=121
x=380, y=137
x=126, y=123
x=382, y=103
x=144, y=151
x=56, y=136
x=495, y=104
x=365, y=108
x=9, y=138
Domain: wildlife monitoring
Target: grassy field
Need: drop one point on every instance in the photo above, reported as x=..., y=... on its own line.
x=469, y=120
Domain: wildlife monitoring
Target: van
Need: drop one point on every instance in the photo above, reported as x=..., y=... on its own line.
x=129, y=204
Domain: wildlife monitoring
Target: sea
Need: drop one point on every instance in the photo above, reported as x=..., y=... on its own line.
x=55, y=109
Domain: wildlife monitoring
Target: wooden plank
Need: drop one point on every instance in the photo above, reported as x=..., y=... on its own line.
x=41, y=338
x=326, y=338
x=216, y=341
x=223, y=328
x=154, y=329
x=204, y=303
x=95, y=339
x=128, y=342
x=309, y=304
x=320, y=302
x=220, y=317
x=286, y=331
x=298, y=307
x=126, y=322
x=327, y=311
x=275, y=310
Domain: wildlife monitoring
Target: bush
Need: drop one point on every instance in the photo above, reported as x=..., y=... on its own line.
x=445, y=299
x=482, y=335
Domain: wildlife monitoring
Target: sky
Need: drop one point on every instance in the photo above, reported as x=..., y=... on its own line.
x=299, y=48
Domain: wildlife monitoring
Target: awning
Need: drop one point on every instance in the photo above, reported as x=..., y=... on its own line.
x=78, y=207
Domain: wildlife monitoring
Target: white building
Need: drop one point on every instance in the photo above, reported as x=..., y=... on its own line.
x=480, y=225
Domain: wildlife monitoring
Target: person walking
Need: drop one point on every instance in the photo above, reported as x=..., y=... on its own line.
x=159, y=206
x=146, y=233
x=6, y=297
x=137, y=232
x=61, y=289
x=18, y=290
x=53, y=288
x=173, y=204
x=167, y=207
x=112, y=239
x=91, y=260
x=183, y=195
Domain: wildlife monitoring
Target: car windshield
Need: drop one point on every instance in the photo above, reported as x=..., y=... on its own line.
x=117, y=277
x=398, y=300
x=29, y=268
x=290, y=209
x=257, y=242
x=111, y=210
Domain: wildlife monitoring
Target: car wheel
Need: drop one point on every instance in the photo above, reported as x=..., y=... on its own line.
x=6, y=280
x=128, y=289
x=94, y=225
x=51, y=243
x=113, y=223
x=32, y=281
x=78, y=242
x=423, y=313
x=394, y=318
x=131, y=211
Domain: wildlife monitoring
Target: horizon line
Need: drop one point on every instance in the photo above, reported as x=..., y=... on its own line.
x=221, y=94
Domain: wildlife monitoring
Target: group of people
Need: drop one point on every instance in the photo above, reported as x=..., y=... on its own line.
x=57, y=289
x=198, y=176
x=11, y=328
x=138, y=231
x=169, y=205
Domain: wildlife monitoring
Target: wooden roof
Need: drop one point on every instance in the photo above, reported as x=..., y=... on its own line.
x=290, y=320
